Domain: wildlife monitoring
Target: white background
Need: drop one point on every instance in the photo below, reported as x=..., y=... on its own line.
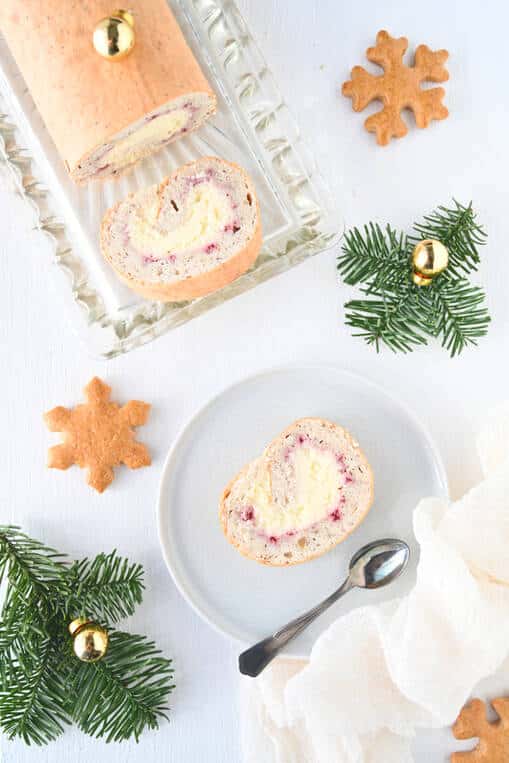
x=310, y=45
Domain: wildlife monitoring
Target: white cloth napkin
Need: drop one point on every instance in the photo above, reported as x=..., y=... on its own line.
x=380, y=672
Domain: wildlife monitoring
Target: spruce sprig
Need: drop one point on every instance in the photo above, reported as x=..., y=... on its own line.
x=43, y=686
x=132, y=682
x=32, y=704
x=107, y=588
x=30, y=572
x=374, y=258
x=397, y=313
x=458, y=230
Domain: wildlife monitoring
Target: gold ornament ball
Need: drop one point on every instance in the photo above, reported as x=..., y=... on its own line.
x=89, y=640
x=114, y=35
x=430, y=258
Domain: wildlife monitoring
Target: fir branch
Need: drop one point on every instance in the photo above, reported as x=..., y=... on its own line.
x=20, y=555
x=132, y=682
x=458, y=230
x=393, y=320
x=19, y=643
x=32, y=701
x=400, y=314
x=375, y=258
x=462, y=315
x=107, y=589
x=31, y=566
x=34, y=572
x=43, y=685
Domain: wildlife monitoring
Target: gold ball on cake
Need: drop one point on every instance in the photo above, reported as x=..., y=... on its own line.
x=429, y=258
x=89, y=640
x=114, y=35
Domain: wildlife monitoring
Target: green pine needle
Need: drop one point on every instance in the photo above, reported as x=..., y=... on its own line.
x=462, y=316
x=43, y=685
x=32, y=572
x=32, y=700
x=374, y=258
x=132, y=682
x=32, y=567
x=107, y=589
x=400, y=315
x=383, y=321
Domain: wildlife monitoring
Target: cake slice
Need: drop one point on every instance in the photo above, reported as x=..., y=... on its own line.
x=306, y=493
x=175, y=119
x=192, y=234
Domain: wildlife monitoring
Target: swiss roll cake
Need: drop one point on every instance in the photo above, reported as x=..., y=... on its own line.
x=187, y=236
x=105, y=116
x=306, y=493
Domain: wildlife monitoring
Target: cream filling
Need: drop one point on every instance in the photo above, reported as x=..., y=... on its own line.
x=128, y=149
x=205, y=211
x=317, y=492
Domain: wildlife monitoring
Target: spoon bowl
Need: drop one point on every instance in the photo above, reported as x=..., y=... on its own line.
x=378, y=563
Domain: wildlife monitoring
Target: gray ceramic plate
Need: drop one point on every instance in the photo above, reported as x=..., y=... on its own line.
x=240, y=597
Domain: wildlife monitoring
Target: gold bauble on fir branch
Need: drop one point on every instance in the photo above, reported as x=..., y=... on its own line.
x=390, y=267
x=110, y=683
x=89, y=640
x=429, y=258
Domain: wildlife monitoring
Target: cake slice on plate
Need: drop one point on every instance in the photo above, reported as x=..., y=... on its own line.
x=306, y=493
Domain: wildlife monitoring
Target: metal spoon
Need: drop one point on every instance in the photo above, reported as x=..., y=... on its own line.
x=373, y=566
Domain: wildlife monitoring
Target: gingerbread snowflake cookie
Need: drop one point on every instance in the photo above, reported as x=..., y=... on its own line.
x=98, y=435
x=399, y=87
x=493, y=746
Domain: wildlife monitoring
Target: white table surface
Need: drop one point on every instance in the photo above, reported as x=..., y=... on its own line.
x=310, y=45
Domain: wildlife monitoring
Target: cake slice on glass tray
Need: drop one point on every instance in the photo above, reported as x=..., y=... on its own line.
x=193, y=233
x=306, y=493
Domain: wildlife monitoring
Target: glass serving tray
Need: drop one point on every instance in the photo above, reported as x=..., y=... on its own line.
x=252, y=127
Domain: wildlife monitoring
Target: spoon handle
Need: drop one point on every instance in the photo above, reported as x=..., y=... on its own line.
x=257, y=657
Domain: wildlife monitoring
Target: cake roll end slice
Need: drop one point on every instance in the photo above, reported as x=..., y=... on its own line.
x=144, y=137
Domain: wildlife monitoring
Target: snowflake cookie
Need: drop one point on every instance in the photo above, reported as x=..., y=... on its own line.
x=399, y=87
x=493, y=746
x=98, y=435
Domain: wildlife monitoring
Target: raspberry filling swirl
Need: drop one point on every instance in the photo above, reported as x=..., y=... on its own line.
x=189, y=224
x=309, y=489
